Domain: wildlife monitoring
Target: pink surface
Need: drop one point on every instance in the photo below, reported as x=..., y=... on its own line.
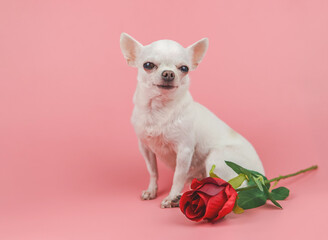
x=70, y=166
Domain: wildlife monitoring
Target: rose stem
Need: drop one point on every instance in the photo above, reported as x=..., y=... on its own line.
x=279, y=178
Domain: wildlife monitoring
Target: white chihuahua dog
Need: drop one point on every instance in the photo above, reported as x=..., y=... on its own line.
x=171, y=126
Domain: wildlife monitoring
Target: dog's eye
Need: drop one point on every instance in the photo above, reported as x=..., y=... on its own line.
x=149, y=65
x=184, y=69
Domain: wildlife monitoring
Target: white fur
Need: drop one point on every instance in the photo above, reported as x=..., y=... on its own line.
x=175, y=129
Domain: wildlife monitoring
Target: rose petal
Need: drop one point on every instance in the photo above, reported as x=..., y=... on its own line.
x=220, y=181
x=228, y=206
x=185, y=198
x=199, y=216
x=210, y=189
x=201, y=205
x=211, y=198
x=196, y=184
x=195, y=203
x=190, y=213
x=203, y=196
x=203, y=199
x=194, y=215
x=229, y=190
x=214, y=205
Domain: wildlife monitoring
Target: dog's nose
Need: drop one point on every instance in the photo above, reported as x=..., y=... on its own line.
x=168, y=75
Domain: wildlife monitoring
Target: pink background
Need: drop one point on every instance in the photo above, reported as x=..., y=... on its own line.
x=70, y=166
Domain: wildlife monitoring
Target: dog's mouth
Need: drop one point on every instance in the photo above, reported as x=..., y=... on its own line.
x=168, y=87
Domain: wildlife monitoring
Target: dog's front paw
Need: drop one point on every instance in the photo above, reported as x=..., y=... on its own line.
x=148, y=194
x=170, y=202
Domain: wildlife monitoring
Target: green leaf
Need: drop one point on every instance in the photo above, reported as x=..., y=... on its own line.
x=261, y=179
x=255, y=197
x=249, y=173
x=251, y=198
x=238, y=169
x=256, y=173
x=252, y=182
x=280, y=193
x=237, y=181
x=258, y=183
x=212, y=174
x=269, y=196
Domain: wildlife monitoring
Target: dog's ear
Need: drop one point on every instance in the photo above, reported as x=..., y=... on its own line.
x=197, y=52
x=130, y=48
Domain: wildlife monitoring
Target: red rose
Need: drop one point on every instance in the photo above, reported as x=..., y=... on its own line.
x=210, y=199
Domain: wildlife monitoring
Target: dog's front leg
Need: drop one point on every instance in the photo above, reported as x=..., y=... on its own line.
x=183, y=161
x=151, y=163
